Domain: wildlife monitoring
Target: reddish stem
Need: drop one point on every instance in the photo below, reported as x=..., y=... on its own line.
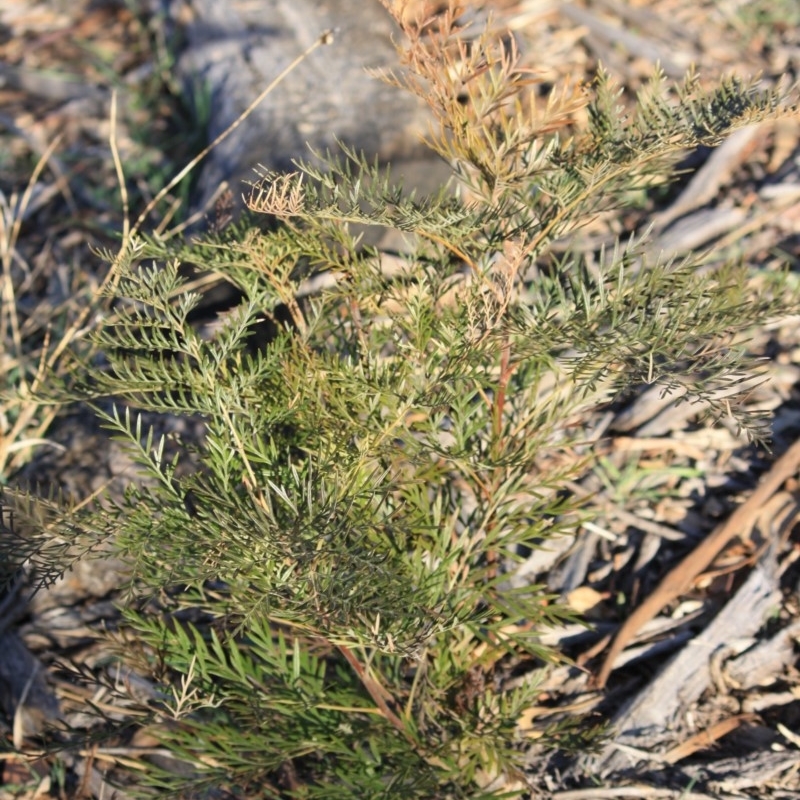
x=377, y=693
x=506, y=371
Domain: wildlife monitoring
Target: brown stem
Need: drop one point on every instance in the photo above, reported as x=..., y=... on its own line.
x=506, y=371
x=377, y=693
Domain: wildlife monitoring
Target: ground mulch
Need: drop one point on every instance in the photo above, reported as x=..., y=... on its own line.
x=690, y=573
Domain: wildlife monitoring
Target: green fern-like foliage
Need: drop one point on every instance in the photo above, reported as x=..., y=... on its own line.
x=321, y=586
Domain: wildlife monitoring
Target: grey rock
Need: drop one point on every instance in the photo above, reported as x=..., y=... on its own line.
x=25, y=695
x=234, y=50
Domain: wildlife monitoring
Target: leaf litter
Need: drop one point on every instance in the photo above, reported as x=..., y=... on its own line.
x=689, y=573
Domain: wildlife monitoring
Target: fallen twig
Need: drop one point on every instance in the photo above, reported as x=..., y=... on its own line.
x=680, y=578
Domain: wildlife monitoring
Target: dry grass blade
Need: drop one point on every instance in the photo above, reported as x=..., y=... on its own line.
x=323, y=39
x=23, y=407
x=13, y=438
x=11, y=216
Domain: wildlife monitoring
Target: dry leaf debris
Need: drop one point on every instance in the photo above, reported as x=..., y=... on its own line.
x=673, y=494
